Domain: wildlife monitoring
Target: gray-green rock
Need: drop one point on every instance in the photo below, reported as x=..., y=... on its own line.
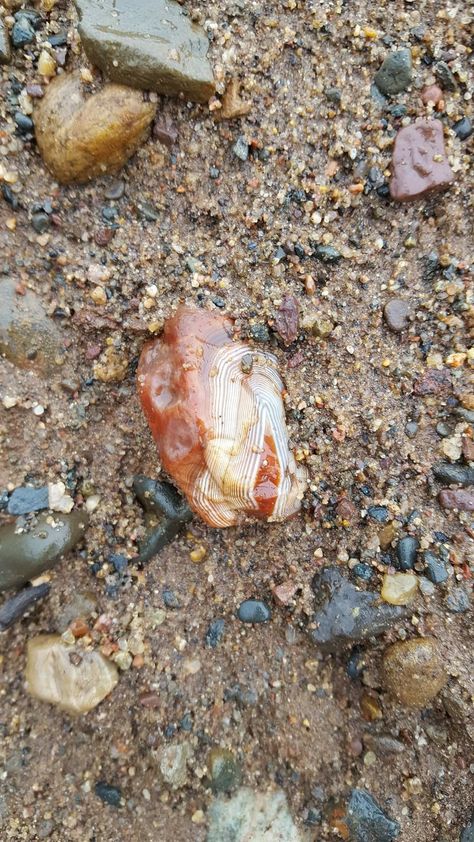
x=148, y=44
x=174, y=761
x=5, y=46
x=367, y=822
x=224, y=770
x=26, y=554
x=394, y=75
x=251, y=816
x=28, y=337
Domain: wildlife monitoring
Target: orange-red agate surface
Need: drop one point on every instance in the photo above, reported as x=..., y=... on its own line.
x=215, y=409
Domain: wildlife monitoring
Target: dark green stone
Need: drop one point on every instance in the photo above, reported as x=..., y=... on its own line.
x=147, y=44
x=24, y=555
x=327, y=254
x=224, y=770
x=394, y=75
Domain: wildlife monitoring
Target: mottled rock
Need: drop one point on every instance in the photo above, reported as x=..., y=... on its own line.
x=455, y=474
x=75, y=680
x=460, y=499
x=458, y=600
x=419, y=161
x=26, y=499
x=224, y=770
x=396, y=314
x=399, y=588
x=173, y=761
x=28, y=337
x=433, y=382
x=344, y=614
x=252, y=816
x=23, y=31
x=367, y=822
x=108, y=794
x=435, y=568
x=81, y=137
x=407, y=549
x=413, y=671
x=444, y=76
x=150, y=44
x=5, y=46
x=394, y=75
x=215, y=632
x=254, y=611
x=26, y=554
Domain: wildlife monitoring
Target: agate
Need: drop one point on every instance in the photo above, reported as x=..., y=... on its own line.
x=215, y=409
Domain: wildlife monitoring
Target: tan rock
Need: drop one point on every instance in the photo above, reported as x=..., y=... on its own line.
x=399, y=588
x=80, y=138
x=74, y=679
x=232, y=105
x=413, y=671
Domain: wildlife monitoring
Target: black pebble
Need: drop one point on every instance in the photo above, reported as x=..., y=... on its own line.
x=215, y=632
x=362, y=571
x=24, y=123
x=407, y=549
x=327, y=254
x=40, y=222
x=435, y=569
x=108, y=794
x=463, y=128
x=254, y=611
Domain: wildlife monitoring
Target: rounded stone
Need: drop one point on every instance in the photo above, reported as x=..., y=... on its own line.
x=413, y=671
x=394, y=75
x=254, y=611
x=399, y=588
x=407, y=549
x=396, y=314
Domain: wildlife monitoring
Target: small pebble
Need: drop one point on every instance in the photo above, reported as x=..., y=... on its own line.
x=399, y=588
x=444, y=76
x=460, y=499
x=241, y=148
x=25, y=500
x=414, y=671
x=463, y=128
x=435, y=568
x=407, y=549
x=170, y=599
x=378, y=513
x=394, y=76
x=40, y=222
x=396, y=314
x=254, y=611
x=327, y=254
x=458, y=600
x=455, y=474
x=108, y=794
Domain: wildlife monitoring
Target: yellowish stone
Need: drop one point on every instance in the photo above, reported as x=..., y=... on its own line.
x=399, y=588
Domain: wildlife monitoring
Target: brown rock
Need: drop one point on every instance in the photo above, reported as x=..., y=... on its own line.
x=284, y=592
x=459, y=498
x=396, y=314
x=419, y=162
x=433, y=382
x=286, y=319
x=232, y=105
x=80, y=138
x=166, y=133
x=468, y=449
x=432, y=93
x=386, y=535
x=413, y=671
x=346, y=510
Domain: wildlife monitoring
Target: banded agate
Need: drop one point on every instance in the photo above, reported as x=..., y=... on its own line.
x=215, y=409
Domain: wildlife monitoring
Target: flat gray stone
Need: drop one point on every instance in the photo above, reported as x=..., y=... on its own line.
x=251, y=816
x=147, y=44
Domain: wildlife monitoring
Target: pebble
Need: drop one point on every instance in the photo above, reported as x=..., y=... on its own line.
x=460, y=499
x=363, y=571
x=170, y=599
x=455, y=474
x=173, y=762
x=241, y=148
x=396, y=314
x=5, y=46
x=254, y=611
x=152, y=45
x=463, y=128
x=467, y=834
x=432, y=93
x=26, y=499
x=444, y=76
x=28, y=337
x=252, y=816
x=286, y=319
x=387, y=535
x=394, y=76
x=215, y=633
x=458, y=600
x=23, y=32
x=25, y=124
x=224, y=770
x=366, y=821
x=24, y=555
x=40, y=222
x=378, y=513
x=81, y=137
x=333, y=95
x=16, y=606
x=407, y=549
x=166, y=133
x=435, y=568
x=284, y=592
x=399, y=588
x=76, y=680
x=426, y=587
x=344, y=614
x=419, y=161
x=327, y=254
x=115, y=189
x=108, y=794
x=259, y=333
x=413, y=671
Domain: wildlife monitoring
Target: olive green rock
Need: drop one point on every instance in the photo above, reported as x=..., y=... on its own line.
x=147, y=44
x=413, y=671
x=224, y=770
x=24, y=555
x=28, y=337
x=74, y=679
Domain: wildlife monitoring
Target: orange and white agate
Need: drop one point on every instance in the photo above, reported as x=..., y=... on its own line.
x=215, y=409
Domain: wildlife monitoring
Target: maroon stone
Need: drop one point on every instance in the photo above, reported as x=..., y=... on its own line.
x=460, y=498
x=433, y=382
x=286, y=319
x=419, y=162
x=166, y=133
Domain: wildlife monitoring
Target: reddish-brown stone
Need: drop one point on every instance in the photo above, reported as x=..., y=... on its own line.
x=419, y=162
x=433, y=382
x=286, y=319
x=459, y=498
x=468, y=449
